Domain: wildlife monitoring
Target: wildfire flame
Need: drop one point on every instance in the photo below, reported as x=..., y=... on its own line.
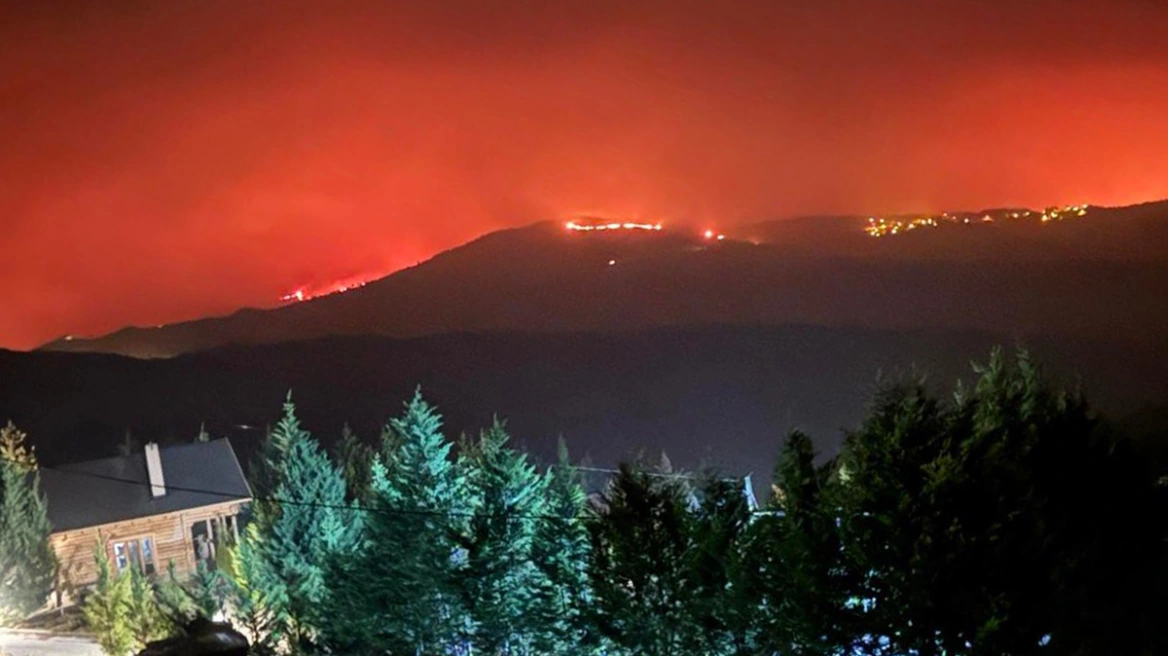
x=578, y=226
x=307, y=293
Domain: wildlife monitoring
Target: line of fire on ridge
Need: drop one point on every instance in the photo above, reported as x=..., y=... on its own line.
x=601, y=225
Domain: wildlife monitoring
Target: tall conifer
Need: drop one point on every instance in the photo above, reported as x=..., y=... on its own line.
x=499, y=577
x=301, y=520
x=561, y=551
x=28, y=566
x=399, y=594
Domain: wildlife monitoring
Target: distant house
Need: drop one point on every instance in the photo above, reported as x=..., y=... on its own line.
x=166, y=504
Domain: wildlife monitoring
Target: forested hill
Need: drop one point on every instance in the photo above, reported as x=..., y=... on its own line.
x=718, y=395
x=1100, y=276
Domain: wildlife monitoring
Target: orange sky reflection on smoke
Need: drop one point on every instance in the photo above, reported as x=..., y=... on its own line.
x=163, y=161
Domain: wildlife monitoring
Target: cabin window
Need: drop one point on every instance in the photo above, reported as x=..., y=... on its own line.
x=137, y=553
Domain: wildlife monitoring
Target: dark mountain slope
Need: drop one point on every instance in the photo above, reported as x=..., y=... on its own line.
x=1104, y=276
x=716, y=395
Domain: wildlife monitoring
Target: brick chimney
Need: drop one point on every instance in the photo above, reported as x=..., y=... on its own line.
x=154, y=470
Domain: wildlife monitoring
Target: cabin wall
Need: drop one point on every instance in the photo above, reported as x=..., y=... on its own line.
x=170, y=532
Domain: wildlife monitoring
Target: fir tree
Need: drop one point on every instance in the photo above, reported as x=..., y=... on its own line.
x=793, y=562
x=499, y=577
x=209, y=590
x=174, y=599
x=256, y=605
x=561, y=550
x=301, y=520
x=639, y=572
x=148, y=622
x=722, y=606
x=355, y=459
x=27, y=564
x=108, y=608
x=399, y=593
x=997, y=521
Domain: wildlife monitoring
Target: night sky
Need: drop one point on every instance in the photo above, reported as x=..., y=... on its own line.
x=166, y=160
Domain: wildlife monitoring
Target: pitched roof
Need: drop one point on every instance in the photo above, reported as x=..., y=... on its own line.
x=117, y=489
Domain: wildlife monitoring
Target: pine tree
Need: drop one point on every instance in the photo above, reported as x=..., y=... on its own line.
x=561, y=551
x=399, y=593
x=28, y=566
x=108, y=608
x=256, y=605
x=499, y=577
x=639, y=573
x=209, y=590
x=997, y=521
x=174, y=599
x=722, y=606
x=301, y=519
x=147, y=619
x=355, y=459
x=794, y=561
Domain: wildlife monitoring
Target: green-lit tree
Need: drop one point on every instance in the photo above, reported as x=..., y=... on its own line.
x=148, y=620
x=561, y=551
x=108, y=608
x=640, y=573
x=174, y=598
x=27, y=564
x=301, y=518
x=498, y=576
x=256, y=605
x=399, y=593
x=209, y=590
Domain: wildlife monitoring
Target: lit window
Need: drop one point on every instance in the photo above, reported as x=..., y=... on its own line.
x=137, y=553
x=120, y=558
x=147, y=556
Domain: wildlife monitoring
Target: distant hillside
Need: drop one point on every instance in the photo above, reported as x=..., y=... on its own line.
x=717, y=395
x=1104, y=276
x=1138, y=233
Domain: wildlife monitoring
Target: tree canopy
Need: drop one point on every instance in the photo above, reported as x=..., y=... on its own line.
x=28, y=566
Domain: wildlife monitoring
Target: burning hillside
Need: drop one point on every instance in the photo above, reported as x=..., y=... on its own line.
x=309, y=292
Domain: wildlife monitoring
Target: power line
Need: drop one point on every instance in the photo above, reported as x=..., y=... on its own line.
x=345, y=507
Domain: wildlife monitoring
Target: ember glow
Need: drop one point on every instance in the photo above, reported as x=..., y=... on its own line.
x=599, y=225
x=308, y=293
x=238, y=151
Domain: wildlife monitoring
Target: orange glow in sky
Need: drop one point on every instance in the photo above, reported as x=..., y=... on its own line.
x=169, y=160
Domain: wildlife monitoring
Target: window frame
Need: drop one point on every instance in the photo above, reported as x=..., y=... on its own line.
x=148, y=568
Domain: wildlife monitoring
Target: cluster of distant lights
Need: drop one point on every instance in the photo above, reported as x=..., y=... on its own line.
x=884, y=227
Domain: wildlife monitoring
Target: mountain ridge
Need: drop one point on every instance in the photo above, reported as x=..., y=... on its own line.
x=1022, y=279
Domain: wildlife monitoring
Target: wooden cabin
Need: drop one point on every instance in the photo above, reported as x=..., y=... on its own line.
x=170, y=504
